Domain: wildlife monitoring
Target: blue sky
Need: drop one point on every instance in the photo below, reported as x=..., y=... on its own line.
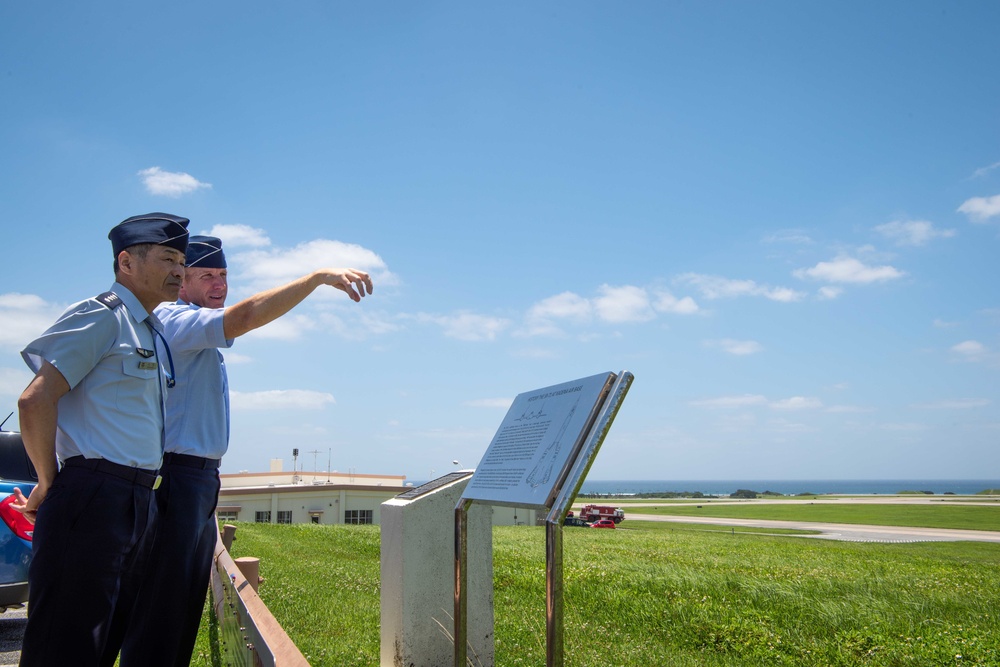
x=782, y=217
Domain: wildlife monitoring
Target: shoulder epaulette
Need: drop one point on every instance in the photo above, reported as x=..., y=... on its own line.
x=109, y=300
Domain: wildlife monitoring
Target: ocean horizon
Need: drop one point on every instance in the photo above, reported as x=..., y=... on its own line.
x=722, y=487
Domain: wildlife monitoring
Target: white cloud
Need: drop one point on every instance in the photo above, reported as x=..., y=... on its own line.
x=849, y=270
x=955, y=404
x=845, y=409
x=970, y=348
x=290, y=327
x=170, y=184
x=667, y=303
x=468, y=326
x=24, y=317
x=358, y=324
x=377, y=323
x=718, y=287
x=502, y=403
x=280, y=399
x=613, y=304
x=623, y=304
x=797, y=403
x=912, y=232
x=12, y=383
x=233, y=358
x=973, y=351
x=981, y=209
x=904, y=427
x=235, y=236
x=785, y=426
x=829, y=292
x=742, y=401
x=534, y=353
x=982, y=171
x=263, y=269
x=566, y=305
x=943, y=324
x=749, y=400
x=738, y=347
x=792, y=236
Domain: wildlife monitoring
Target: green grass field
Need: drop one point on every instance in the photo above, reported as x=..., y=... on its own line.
x=661, y=594
x=968, y=517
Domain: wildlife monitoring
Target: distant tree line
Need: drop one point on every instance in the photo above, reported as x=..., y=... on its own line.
x=649, y=494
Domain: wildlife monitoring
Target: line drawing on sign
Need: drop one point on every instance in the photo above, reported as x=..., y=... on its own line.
x=542, y=471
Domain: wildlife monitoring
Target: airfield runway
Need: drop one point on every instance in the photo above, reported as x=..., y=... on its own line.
x=838, y=531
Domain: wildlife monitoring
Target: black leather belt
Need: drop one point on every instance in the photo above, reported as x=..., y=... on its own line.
x=190, y=461
x=147, y=478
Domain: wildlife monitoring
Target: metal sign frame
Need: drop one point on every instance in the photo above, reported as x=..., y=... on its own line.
x=559, y=502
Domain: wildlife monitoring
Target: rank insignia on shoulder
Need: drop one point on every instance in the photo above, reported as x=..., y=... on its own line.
x=148, y=365
x=144, y=353
x=109, y=300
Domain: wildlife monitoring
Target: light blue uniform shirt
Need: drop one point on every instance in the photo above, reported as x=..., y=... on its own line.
x=198, y=405
x=114, y=409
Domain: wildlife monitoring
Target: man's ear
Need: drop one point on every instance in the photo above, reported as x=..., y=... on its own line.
x=125, y=262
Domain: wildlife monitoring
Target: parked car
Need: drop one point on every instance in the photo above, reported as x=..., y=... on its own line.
x=575, y=521
x=16, y=471
x=603, y=523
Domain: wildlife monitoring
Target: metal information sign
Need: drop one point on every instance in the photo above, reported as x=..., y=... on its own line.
x=538, y=458
x=541, y=433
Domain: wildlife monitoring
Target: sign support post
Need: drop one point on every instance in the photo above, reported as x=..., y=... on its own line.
x=538, y=459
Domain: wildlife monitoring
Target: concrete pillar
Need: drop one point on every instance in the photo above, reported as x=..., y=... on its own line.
x=418, y=577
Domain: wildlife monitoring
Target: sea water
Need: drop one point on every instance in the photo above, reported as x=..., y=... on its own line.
x=724, y=487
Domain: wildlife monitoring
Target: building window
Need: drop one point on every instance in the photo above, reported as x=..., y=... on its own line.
x=262, y=517
x=227, y=515
x=284, y=516
x=358, y=516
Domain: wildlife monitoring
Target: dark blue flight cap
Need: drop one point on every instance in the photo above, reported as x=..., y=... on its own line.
x=157, y=228
x=205, y=252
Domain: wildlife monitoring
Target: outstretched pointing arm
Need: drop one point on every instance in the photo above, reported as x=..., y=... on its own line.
x=267, y=306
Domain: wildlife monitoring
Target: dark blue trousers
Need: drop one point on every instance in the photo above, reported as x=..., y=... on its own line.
x=91, y=542
x=172, y=596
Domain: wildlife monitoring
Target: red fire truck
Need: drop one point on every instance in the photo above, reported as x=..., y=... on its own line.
x=592, y=513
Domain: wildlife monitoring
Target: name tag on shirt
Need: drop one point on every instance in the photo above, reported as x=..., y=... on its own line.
x=148, y=365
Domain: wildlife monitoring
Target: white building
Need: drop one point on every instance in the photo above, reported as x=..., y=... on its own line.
x=322, y=497
x=306, y=497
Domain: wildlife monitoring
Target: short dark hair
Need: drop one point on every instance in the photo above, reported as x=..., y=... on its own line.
x=139, y=250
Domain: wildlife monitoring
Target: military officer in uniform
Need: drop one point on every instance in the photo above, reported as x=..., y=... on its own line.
x=92, y=424
x=197, y=326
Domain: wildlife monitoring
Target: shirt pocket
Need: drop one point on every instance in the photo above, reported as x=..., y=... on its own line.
x=139, y=389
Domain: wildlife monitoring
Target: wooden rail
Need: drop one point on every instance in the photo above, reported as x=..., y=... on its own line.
x=249, y=635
